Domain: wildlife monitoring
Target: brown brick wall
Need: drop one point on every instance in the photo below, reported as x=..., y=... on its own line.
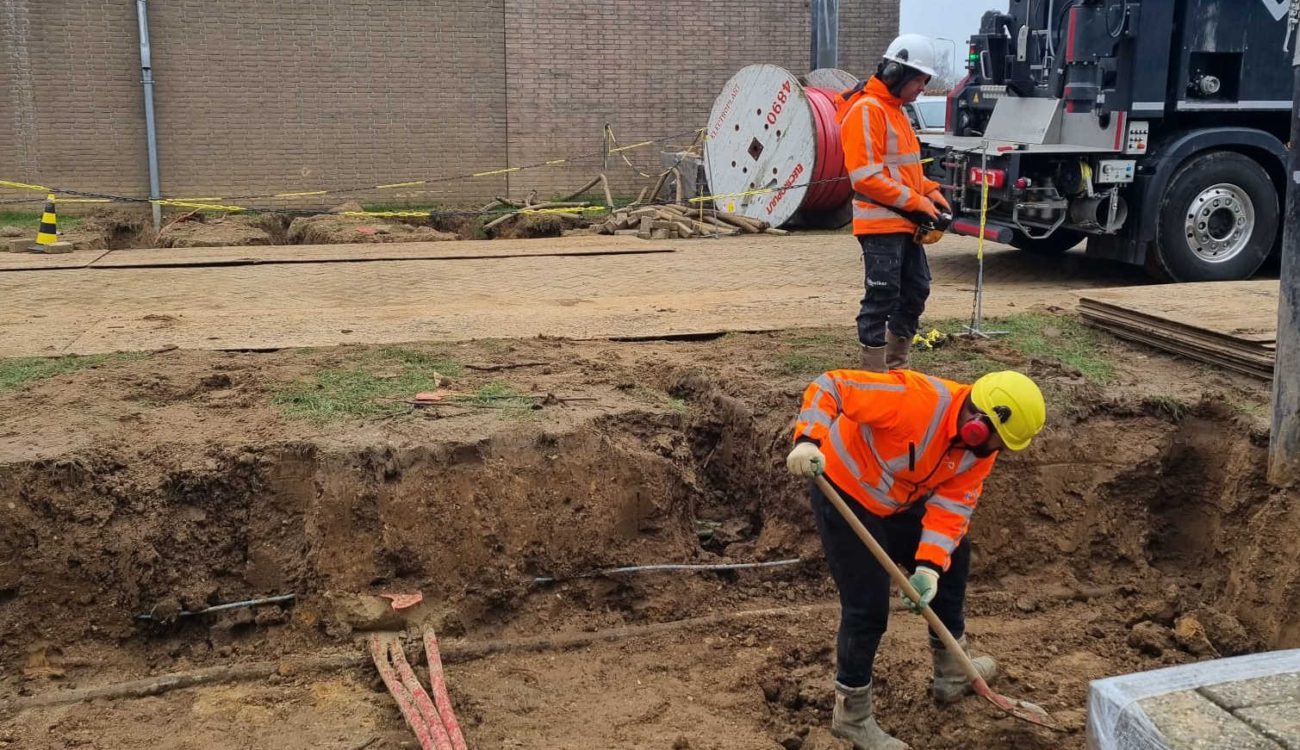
x=70, y=99
x=649, y=69
x=261, y=97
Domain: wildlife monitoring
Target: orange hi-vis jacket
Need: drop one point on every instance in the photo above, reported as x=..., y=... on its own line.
x=883, y=157
x=891, y=441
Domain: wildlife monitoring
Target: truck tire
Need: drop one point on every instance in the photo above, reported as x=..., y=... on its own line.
x=1218, y=220
x=1057, y=243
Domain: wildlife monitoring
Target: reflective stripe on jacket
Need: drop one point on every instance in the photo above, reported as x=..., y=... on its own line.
x=883, y=157
x=891, y=441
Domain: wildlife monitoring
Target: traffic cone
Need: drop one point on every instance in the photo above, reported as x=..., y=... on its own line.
x=48, y=234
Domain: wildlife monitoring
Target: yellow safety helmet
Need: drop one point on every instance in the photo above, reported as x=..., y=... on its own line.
x=1014, y=405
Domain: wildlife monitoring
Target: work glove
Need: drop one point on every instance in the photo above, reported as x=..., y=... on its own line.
x=937, y=199
x=926, y=582
x=929, y=209
x=806, y=460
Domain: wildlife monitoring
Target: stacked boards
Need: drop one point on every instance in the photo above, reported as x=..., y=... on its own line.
x=1231, y=324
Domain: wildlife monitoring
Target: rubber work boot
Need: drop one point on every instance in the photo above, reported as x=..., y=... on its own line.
x=852, y=720
x=950, y=680
x=896, y=350
x=873, y=359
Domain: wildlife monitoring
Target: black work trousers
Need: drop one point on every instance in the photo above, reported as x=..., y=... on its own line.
x=897, y=286
x=864, y=586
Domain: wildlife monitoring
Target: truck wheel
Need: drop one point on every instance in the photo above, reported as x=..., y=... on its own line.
x=1218, y=220
x=1058, y=242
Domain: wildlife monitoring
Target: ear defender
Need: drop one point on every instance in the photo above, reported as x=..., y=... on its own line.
x=892, y=73
x=976, y=431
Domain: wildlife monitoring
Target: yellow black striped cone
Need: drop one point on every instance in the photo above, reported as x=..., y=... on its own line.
x=48, y=234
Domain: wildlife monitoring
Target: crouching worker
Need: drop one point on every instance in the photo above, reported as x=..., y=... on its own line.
x=912, y=451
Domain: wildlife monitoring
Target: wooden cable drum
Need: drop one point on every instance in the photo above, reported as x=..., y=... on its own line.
x=773, y=151
x=831, y=78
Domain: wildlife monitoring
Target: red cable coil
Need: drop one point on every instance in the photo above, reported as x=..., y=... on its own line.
x=831, y=188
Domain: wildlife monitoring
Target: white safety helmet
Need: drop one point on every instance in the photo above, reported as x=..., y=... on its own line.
x=916, y=51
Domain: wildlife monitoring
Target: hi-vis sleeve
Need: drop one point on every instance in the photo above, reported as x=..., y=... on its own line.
x=864, y=397
x=872, y=155
x=948, y=512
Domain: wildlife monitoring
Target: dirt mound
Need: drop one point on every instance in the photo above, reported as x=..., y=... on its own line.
x=116, y=228
x=221, y=231
x=529, y=226
x=332, y=230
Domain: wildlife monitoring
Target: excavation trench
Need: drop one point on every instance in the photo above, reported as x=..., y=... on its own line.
x=1122, y=541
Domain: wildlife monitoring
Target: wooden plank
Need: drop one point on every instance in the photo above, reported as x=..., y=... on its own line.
x=450, y=250
x=1175, y=336
x=1239, y=309
x=1229, y=325
x=1257, y=337
x=43, y=262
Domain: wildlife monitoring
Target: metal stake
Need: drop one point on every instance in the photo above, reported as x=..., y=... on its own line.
x=977, y=316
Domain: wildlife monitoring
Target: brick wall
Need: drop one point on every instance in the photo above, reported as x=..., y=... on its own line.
x=70, y=99
x=649, y=69
x=277, y=96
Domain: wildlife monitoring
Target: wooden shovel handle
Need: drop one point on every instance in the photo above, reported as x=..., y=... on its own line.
x=905, y=585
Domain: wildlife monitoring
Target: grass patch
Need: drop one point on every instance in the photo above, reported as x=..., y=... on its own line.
x=334, y=395
x=1167, y=407
x=377, y=385
x=1056, y=338
x=657, y=398
x=812, y=363
x=811, y=353
x=404, y=207
x=496, y=395
x=818, y=339
x=18, y=372
x=1064, y=339
x=439, y=363
x=32, y=219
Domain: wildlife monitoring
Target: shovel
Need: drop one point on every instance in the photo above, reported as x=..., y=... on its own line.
x=1023, y=710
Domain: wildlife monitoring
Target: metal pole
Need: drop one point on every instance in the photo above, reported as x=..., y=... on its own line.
x=952, y=63
x=151, y=131
x=1284, y=443
x=976, y=327
x=825, y=42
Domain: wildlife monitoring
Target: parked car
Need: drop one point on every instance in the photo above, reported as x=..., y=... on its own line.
x=929, y=114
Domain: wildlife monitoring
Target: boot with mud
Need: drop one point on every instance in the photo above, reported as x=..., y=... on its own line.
x=852, y=720
x=873, y=359
x=950, y=681
x=896, y=350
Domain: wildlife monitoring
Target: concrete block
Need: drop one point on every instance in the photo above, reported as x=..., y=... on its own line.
x=1279, y=722
x=1261, y=691
x=22, y=245
x=1190, y=721
x=57, y=248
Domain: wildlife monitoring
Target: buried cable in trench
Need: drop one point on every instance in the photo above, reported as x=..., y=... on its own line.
x=284, y=599
x=670, y=568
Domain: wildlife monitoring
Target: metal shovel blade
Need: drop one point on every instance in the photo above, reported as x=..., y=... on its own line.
x=1023, y=710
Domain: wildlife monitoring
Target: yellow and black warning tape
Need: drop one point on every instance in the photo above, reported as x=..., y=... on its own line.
x=226, y=204
x=217, y=203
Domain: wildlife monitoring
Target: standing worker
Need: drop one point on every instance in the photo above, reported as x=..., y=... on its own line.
x=913, y=451
x=891, y=200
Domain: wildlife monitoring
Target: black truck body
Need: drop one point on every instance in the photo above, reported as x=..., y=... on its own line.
x=1154, y=129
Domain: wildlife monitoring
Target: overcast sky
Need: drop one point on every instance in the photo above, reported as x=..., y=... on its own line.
x=954, y=19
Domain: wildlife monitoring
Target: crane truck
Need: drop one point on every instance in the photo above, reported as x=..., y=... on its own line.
x=1154, y=130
